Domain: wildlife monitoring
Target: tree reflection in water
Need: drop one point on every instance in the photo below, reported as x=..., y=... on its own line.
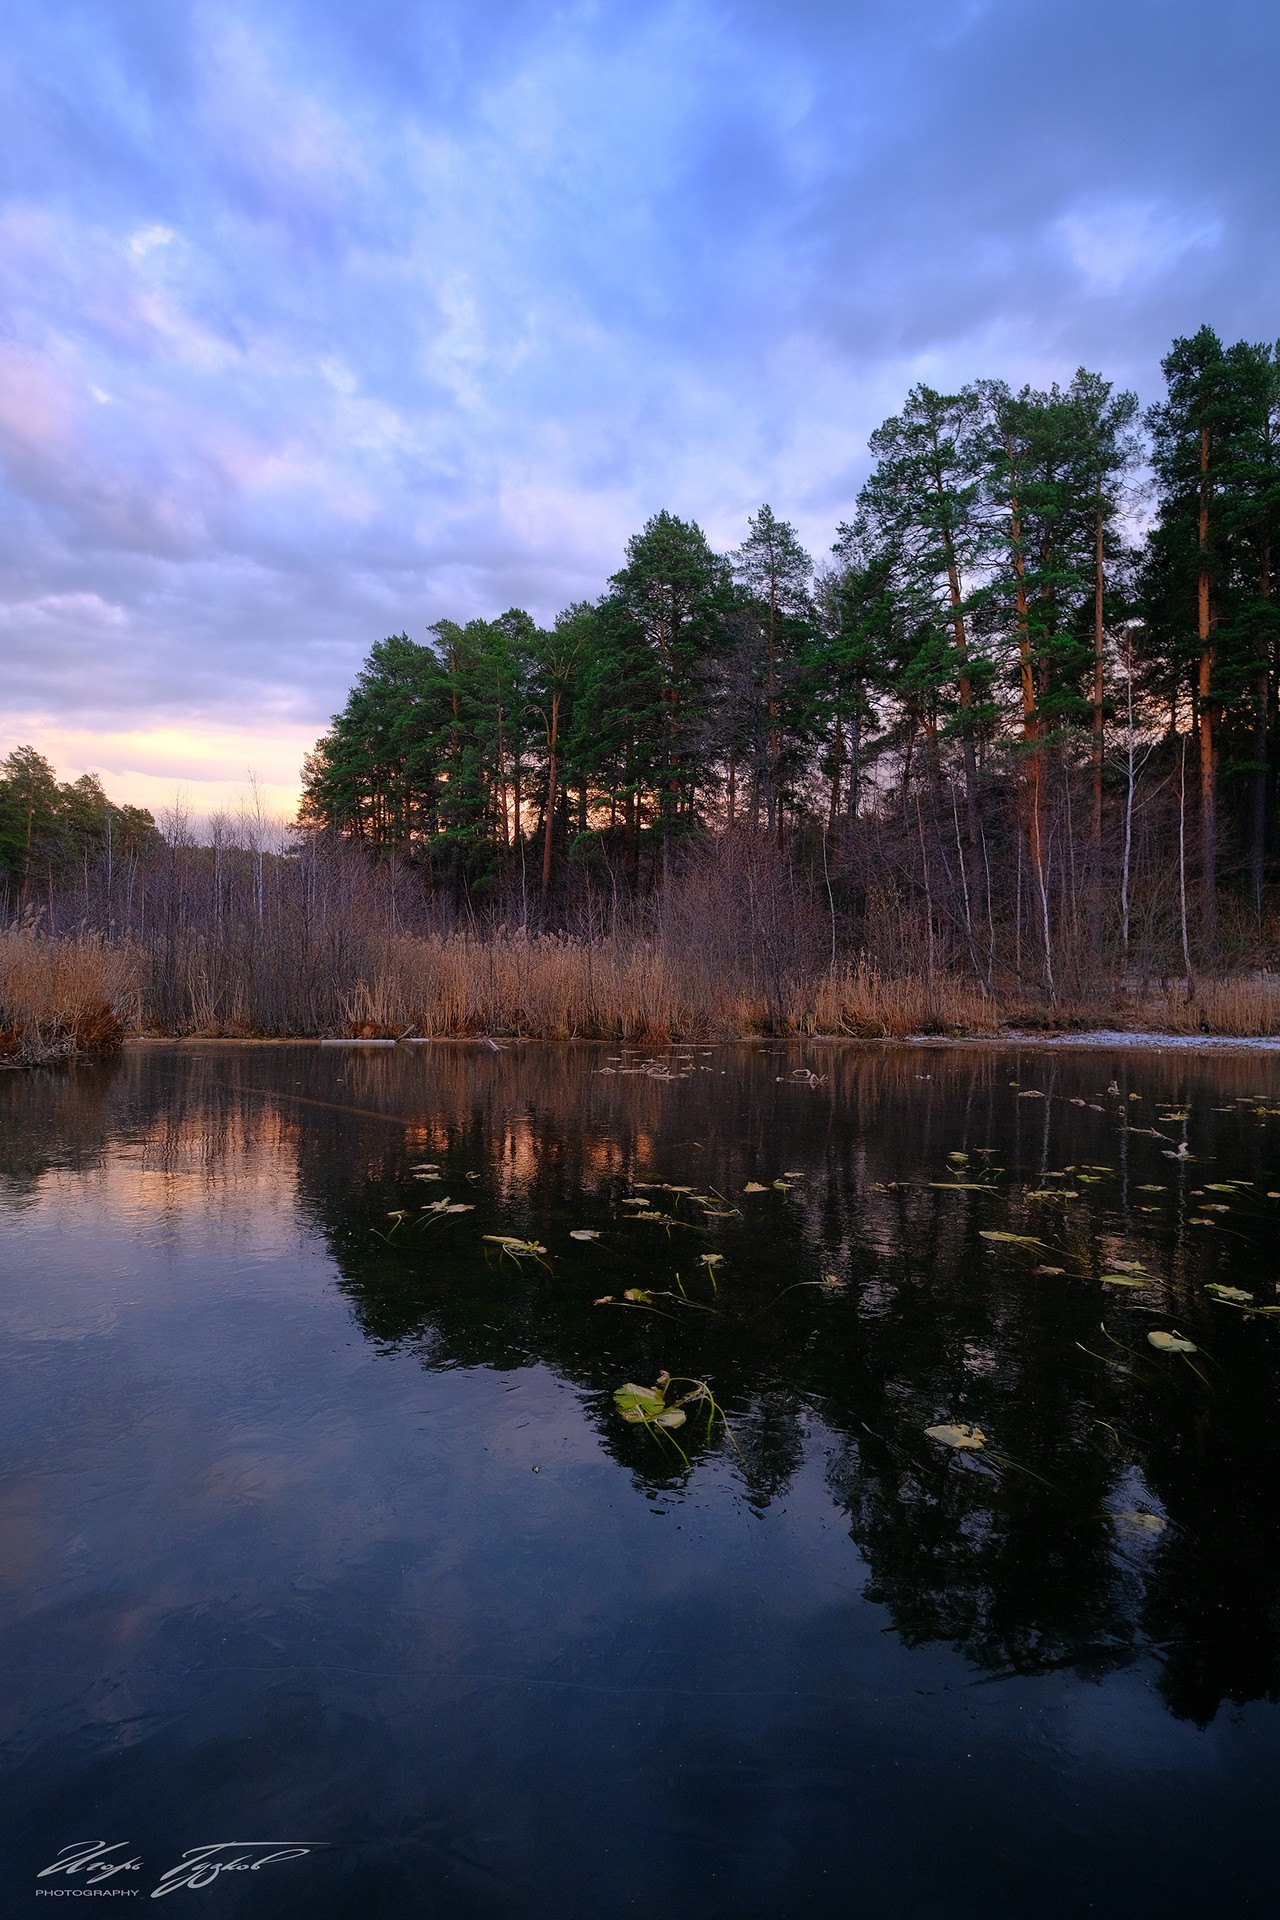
x=856, y=1304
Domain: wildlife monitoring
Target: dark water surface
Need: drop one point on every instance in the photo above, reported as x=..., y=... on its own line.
x=323, y=1528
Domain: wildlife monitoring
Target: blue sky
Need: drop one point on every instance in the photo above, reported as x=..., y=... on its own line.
x=321, y=321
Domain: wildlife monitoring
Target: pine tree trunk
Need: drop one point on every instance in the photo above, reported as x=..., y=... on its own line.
x=1261, y=751
x=1208, y=742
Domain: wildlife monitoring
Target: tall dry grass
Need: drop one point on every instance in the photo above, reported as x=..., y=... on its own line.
x=550, y=988
x=1245, y=1006
x=59, y=997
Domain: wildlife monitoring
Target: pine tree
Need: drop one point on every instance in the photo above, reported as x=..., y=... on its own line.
x=773, y=572
x=921, y=513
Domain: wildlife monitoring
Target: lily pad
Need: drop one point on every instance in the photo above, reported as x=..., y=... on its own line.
x=639, y=1404
x=960, y=1435
x=1141, y=1522
x=1171, y=1342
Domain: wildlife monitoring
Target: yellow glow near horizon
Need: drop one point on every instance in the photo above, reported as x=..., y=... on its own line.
x=209, y=769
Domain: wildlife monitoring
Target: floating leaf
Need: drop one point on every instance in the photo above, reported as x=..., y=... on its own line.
x=1051, y=1270
x=583, y=1233
x=1228, y=1293
x=964, y=1438
x=1128, y=1266
x=964, y=1186
x=639, y=1404
x=1171, y=1342
x=1013, y=1239
x=638, y=1296
x=1122, y=1280
x=755, y=1186
x=670, y=1417
x=512, y=1244
x=459, y=1206
x=1141, y=1522
x=711, y=1259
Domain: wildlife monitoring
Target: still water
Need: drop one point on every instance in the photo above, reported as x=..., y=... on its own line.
x=321, y=1528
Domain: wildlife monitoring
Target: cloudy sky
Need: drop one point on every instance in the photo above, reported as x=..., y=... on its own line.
x=319, y=321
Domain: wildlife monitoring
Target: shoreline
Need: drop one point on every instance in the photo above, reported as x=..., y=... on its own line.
x=1095, y=1040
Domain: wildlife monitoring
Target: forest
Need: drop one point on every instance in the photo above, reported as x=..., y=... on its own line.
x=1037, y=671
x=1017, y=732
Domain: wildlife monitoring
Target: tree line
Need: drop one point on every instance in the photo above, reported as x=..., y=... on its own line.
x=51, y=831
x=993, y=665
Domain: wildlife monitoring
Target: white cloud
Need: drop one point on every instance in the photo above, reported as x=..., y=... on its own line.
x=1115, y=245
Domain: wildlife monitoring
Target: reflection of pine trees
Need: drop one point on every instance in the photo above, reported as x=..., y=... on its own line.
x=926, y=1320
x=854, y=1309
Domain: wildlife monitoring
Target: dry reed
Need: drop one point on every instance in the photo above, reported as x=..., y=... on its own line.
x=548, y=988
x=1244, y=1006
x=60, y=997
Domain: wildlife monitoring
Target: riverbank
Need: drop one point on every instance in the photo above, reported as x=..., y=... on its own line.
x=82, y=995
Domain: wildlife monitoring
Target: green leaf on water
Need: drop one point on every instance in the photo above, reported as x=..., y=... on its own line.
x=583, y=1233
x=755, y=1186
x=638, y=1296
x=1228, y=1293
x=1171, y=1342
x=639, y=1404
x=964, y=1438
x=1122, y=1280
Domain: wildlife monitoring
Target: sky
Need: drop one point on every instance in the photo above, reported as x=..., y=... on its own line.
x=321, y=321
